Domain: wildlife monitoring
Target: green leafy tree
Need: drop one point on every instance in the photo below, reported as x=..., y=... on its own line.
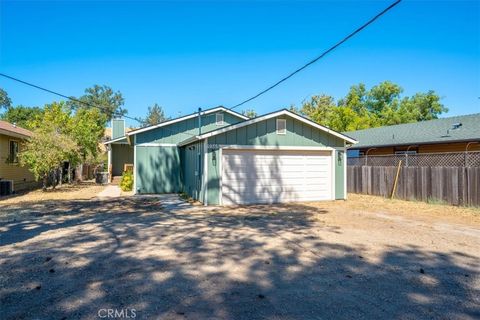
x=421, y=107
x=45, y=152
x=87, y=132
x=319, y=109
x=383, y=98
x=249, y=113
x=379, y=106
x=155, y=116
x=21, y=115
x=55, y=117
x=103, y=98
x=5, y=101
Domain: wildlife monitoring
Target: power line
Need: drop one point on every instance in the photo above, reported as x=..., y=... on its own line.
x=83, y=102
x=320, y=56
x=63, y=96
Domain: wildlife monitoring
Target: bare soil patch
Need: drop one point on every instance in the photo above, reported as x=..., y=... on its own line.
x=365, y=258
x=76, y=191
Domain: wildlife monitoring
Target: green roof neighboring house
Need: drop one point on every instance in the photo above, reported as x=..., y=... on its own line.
x=449, y=130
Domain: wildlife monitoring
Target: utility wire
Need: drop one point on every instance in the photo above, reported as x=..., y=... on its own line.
x=64, y=96
x=320, y=56
x=83, y=102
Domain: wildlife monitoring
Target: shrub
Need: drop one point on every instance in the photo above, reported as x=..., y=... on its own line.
x=126, y=184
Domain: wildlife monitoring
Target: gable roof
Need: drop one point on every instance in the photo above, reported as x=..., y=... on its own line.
x=192, y=115
x=265, y=117
x=14, y=131
x=425, y=132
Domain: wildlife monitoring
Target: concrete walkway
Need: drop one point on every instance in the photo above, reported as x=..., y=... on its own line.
x=169, y=201
x=111, y=191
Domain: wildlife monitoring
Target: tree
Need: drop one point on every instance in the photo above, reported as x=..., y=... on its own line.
x=5, y=101
x=422, y=107
x=45, y=152
x=155, y=116
x=21, y=115
x=381, y=105
x=103, y=98
x=87, y=132
x=319, y=109
x=249, y=113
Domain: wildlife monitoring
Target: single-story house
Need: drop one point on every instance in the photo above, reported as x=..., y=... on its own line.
x=452, y=134
x=12, y=138
x=221, y=157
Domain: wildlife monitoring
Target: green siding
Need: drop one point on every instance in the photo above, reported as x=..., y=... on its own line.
x=158, y=169
x=192, y=167
x=213, y=179
x=118, y=128
x=121, y=154
x=264, y=133
x=340, y=162
x=180, y=131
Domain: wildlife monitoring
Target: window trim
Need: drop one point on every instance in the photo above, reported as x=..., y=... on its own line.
x=10, y=158
x=222, y=122
x=284, y=131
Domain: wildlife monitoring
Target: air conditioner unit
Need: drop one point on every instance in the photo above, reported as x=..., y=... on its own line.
x=6, y=187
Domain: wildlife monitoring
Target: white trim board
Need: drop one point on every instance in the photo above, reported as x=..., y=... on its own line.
x=190, y=116
x=134, y=165
x=116, y=140
x=205, y=172
x=259, y=147
x=265, y=117
x=153, y=144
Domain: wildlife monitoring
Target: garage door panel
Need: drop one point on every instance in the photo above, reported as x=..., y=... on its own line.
x=256, y=176
x=251, y=182
x=281, y=176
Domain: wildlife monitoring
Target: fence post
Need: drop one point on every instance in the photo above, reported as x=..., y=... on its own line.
x=406, y=159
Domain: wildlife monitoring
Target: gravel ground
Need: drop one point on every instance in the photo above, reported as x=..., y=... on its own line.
x=365, y=258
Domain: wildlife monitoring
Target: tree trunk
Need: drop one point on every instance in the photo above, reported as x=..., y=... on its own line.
x=45, y=180
x=60, y=175
x=53, y=175
x=79, y=173
x=69, y=173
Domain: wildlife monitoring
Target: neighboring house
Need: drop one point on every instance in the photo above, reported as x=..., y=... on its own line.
x=224, y=158
x=452, y=134
x=12, y=139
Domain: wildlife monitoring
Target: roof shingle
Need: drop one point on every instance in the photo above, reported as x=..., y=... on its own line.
x=9, y=127
x=432, y=131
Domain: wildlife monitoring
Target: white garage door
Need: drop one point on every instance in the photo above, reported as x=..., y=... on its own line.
x=261, y=176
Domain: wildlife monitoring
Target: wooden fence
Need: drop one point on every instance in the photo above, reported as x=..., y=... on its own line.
x=453, y=185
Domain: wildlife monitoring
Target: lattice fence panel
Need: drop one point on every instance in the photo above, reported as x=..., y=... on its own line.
x=451, y=159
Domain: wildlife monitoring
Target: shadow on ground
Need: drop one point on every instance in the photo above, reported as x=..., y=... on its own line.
x=68, y=260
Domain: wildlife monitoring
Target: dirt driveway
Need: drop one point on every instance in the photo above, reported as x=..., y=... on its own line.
x=160, y=259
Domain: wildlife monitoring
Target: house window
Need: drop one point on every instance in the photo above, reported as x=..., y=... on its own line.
x=13, y=152
x=281, y=126
x=219, y=119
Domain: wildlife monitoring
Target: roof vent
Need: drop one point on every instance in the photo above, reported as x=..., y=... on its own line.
x=456, y=125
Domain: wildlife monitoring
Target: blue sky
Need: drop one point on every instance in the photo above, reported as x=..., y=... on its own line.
x=185, y=55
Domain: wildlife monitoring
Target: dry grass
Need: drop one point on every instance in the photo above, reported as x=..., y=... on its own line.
x=79, y=191
x=419, y=210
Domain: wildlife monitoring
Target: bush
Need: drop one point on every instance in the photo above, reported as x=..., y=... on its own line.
x=126, y=184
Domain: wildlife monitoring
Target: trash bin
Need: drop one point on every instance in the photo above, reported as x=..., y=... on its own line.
x=101, y=178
